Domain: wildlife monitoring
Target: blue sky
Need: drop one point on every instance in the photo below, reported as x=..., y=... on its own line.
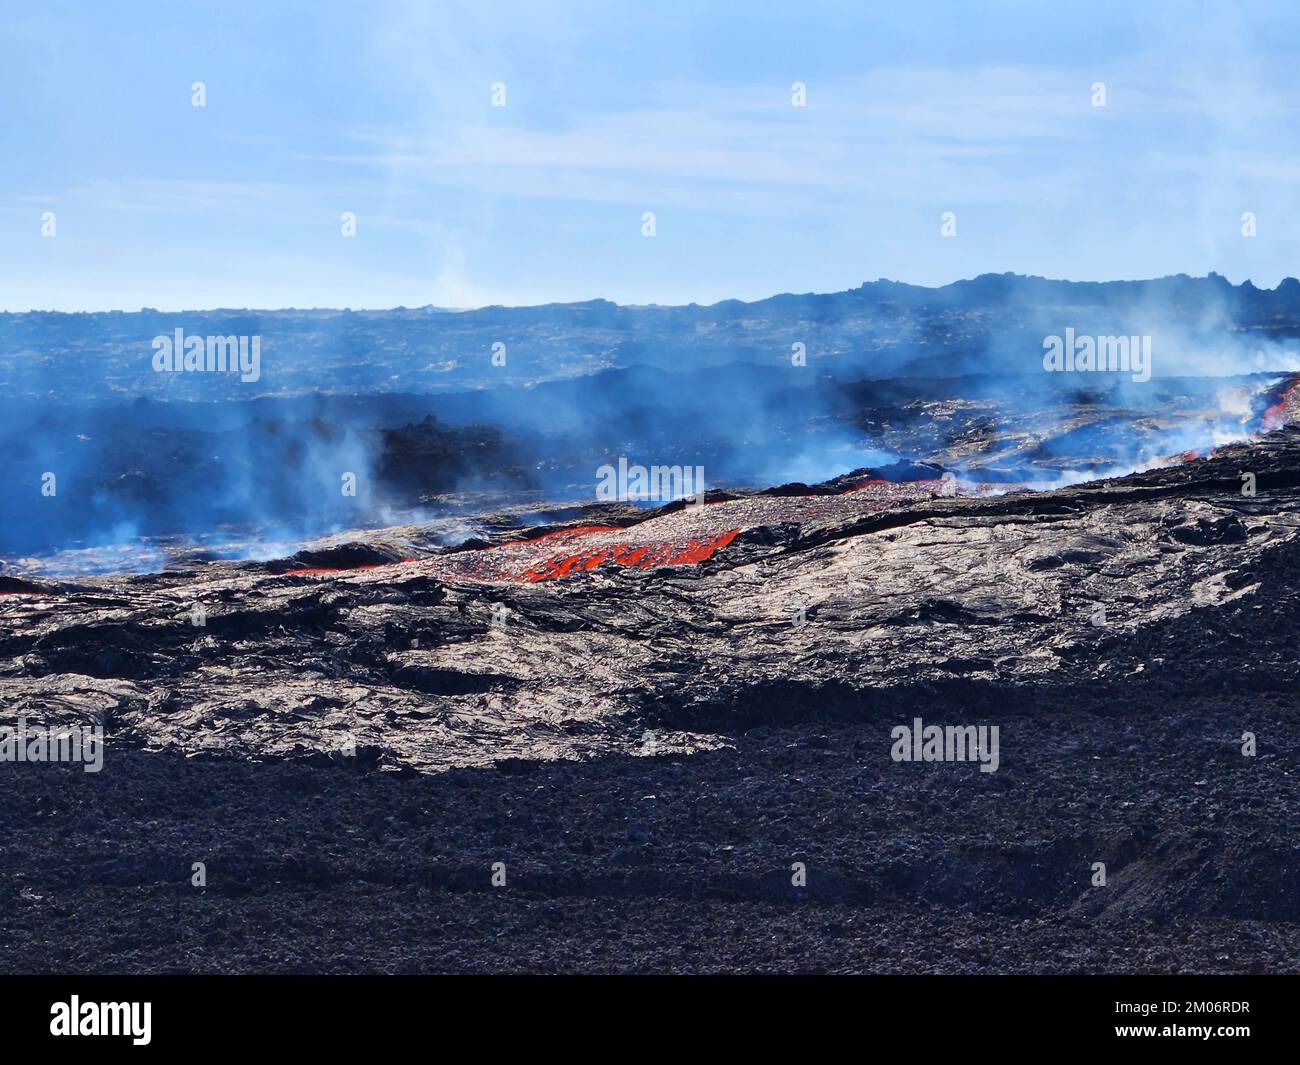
x=684, y=109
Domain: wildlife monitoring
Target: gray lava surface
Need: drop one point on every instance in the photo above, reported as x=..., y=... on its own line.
x=350, y=743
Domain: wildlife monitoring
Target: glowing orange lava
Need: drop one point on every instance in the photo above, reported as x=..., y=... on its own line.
x=645, y=556
x=681, y=537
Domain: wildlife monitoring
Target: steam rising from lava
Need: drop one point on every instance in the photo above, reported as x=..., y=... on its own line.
x=248, y=478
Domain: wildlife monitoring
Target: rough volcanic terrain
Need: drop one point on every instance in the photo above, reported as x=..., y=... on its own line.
x=649, y=719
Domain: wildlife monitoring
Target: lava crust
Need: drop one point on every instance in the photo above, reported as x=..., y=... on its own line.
x=649, y=722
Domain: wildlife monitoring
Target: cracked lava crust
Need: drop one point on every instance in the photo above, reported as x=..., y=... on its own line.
x=648, y=721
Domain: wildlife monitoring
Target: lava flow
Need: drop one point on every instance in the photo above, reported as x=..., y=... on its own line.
x=691, y=535
x=1282, y=410
x=644, y=556
x=684, y=537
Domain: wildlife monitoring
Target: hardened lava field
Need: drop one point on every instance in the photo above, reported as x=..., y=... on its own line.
x=648, y=750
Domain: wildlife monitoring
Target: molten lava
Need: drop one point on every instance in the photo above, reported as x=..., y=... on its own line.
x=1280, y=412
x=645, y=556
x=682, y=537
